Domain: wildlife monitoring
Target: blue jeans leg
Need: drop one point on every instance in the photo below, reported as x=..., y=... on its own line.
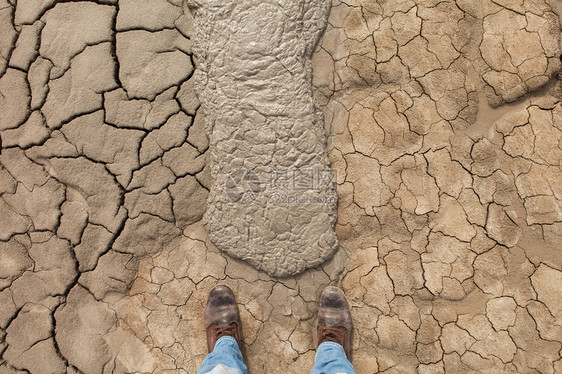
x=331, y=359
x=225, y=358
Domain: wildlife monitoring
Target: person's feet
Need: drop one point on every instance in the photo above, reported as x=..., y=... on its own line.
x=222, y=317
x=334, y=319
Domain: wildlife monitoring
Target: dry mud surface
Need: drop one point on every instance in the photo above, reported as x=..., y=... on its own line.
x=272, y=201
x=444, y=124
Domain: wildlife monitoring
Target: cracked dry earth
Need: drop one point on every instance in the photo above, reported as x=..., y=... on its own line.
x=444, y=124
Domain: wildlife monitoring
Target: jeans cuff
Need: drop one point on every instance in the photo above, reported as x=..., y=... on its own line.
x=225, y=338
x=331, y=344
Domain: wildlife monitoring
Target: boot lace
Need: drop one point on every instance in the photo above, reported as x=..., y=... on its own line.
x=223, y=330
x=333, y=334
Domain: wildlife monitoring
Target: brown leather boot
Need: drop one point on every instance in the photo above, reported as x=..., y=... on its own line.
x=221, y=316
x=334, y=319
